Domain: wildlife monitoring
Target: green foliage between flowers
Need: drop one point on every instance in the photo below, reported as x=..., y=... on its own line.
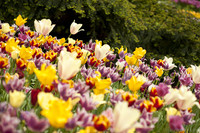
x=155, y=25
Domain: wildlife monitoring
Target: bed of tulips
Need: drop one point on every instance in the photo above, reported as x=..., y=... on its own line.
x=64, y=85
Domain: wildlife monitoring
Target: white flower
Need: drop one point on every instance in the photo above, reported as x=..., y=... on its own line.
x=75, y=28
x=183, y=97
x=43, y=26
x=169, y=63
x=196, y=74
x=71, y=41
x=120, y=65
x=5, y=27
x=102, y=51
x=68, y=64
x=124, y=117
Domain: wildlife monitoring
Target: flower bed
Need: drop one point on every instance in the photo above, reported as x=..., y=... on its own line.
x=54, y=85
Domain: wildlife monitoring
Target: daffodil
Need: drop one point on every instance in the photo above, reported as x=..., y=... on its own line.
x=46, y=75
x=20, y=21
x=135, y=83
x=139, y=52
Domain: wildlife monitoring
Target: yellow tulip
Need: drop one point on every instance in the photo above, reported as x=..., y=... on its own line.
x=16, y=98
x=46, y=75
x=131, y=60
x=20, y=21
x=135, y=83
x=12, y=45
x=26, y=53
x=159, y=71
x=139, y=52
x=58, y=113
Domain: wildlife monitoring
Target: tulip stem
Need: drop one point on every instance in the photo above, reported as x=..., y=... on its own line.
x=69, y=35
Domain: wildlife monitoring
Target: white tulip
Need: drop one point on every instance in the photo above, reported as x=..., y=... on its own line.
x=43, y=26
x=75, y=28
x=196, y=74
x=102, y=51
x=68, y=64
x=5, y=27
x=169, y=62
x=124, y=117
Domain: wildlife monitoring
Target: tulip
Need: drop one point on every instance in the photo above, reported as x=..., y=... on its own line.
x=184, y=98
x=44, y=26
x=102, y=51
x=169, y=63
x=75, y=28
x=20, y=21
x=68, y=64
x=196, y=74
x=16, y=98
x=124, y=117
x=5, y=27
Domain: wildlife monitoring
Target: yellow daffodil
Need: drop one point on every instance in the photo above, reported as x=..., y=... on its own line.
x=135, y=83
x=20, y=21
x=58, y=113
x=139, y=52
x=16, y=98
x=101, y=84
x=12, y=45
x=132, y=60
x=46, y=75
x=159, y=71
x=30, y=67
x=26, y=53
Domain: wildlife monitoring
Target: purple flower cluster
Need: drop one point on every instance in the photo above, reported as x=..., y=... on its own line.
x=195, y=3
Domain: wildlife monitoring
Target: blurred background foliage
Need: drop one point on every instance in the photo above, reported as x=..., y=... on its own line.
x=159, y=26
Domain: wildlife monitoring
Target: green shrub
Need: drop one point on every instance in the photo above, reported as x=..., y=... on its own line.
x=154, y=25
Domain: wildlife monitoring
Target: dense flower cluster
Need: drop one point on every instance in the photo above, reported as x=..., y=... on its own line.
x=51, y=84
x=195, y=3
